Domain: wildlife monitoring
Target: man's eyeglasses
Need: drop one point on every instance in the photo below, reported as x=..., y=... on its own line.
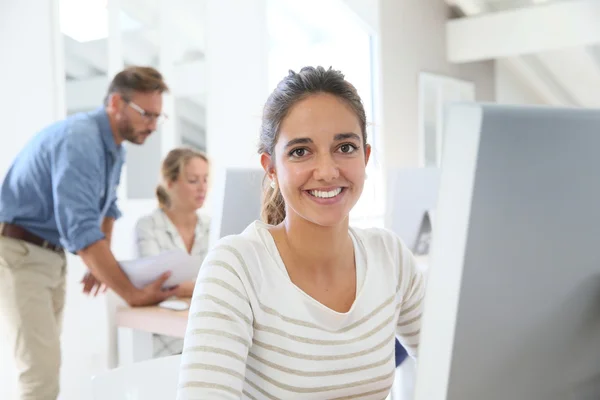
x=148, y=116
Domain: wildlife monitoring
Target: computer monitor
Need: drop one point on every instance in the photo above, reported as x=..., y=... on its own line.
x=512, y=307
x=411, y=200
x=237, y=199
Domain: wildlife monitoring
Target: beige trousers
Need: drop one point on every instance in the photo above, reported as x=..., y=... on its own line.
x=32, y=298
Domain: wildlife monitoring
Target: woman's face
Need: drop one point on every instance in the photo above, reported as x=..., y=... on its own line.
x=188, y=192
x=319, y=160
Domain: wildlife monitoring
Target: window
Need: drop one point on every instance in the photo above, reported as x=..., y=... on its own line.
x=87, y=20
x=435, y=94
x=300, y=37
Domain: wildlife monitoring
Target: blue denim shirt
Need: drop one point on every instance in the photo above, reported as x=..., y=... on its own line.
x=64, y=181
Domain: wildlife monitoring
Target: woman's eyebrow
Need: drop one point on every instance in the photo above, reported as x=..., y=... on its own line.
x=346, y=136
x=296, y=141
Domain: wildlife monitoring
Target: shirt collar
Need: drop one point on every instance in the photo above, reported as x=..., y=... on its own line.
x=101, y=118
x=171, y=228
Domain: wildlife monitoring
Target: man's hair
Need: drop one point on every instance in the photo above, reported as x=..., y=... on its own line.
x=136, y=79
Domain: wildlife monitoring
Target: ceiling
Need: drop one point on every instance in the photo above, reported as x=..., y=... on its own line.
x=559, y=82
x=140, y=34
x=568, y=76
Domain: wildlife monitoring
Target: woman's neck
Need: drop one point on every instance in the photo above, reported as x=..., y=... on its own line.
x=185, y=220
x=318, y=246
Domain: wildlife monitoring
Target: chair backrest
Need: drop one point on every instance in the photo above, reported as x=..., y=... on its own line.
x=154, y=379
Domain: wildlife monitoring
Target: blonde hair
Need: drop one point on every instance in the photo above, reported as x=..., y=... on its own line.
x=273, y=205
x=171, y=168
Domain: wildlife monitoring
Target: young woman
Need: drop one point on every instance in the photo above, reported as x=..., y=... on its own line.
x=176, y=223
x=301, y=306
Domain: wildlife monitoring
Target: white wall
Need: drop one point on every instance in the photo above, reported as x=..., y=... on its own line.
x=510, y=89
x=32, y=97
x=367, y=11
x=413, y=40
x=237, y=67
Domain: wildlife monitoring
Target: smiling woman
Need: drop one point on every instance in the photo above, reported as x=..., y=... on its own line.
x=325, y=168
x=302, y=305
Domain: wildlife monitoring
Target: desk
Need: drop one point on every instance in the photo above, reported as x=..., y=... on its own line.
x=136, y=325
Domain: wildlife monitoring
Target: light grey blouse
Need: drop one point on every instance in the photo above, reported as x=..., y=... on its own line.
x=155, y=234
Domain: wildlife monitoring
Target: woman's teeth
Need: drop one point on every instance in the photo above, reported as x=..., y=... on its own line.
x=326, y=195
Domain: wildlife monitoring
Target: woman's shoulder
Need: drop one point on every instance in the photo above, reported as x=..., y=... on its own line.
x=246, y=255
x=382, y=242
x=381, y=238
x=150, y=221
x=204, y=222
x=246, y=245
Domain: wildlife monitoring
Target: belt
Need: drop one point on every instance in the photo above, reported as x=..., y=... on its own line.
x=17, y=232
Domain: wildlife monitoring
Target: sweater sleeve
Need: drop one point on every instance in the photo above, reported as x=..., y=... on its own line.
x=219, y=332
x=410, y=292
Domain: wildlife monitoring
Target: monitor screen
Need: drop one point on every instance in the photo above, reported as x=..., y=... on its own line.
x=238, y=195
x=412, y=198
x=512, y=309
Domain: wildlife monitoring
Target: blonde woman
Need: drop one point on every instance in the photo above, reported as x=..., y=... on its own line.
x=176, y=224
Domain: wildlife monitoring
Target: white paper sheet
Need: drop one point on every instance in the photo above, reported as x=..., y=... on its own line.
x=146, y=270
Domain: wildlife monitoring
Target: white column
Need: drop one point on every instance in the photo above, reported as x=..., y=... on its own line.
x=32, y=77
x=237, y=86
x=32, y=96
x=115, y=38
x=168, y=131
x=116, y=63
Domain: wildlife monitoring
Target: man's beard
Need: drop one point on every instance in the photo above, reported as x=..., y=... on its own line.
x=128, y=133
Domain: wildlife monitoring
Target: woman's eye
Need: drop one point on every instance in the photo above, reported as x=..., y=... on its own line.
x=347, y=148
x=298, y=153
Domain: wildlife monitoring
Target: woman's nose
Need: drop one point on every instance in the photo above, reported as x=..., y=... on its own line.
x=326, y=169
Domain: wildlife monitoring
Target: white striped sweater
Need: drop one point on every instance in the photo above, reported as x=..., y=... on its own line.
x=253, y=334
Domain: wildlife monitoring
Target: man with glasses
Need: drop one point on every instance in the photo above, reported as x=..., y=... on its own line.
x=60, y=195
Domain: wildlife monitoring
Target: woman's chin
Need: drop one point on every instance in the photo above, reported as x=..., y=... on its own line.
x=328, y=221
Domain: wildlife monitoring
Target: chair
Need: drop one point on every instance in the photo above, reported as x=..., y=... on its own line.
x=154, y=379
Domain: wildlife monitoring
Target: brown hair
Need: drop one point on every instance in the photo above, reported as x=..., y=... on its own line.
x=171, y=168
x=136, y=79
x=292, y=89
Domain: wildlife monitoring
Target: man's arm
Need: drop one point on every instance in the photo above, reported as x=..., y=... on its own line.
x=103, y=265
x=90, y=283
x=107, y=228
x=76, y=168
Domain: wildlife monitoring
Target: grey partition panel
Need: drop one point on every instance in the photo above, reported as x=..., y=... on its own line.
x=241, y=202
x=412, y=192
x=526, y=314
x=143, y=167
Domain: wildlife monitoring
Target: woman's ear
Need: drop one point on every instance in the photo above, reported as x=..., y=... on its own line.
x=266, y=162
